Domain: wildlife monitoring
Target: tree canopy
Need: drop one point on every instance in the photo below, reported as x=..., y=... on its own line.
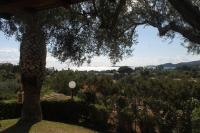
x=108, y=27
x=79, y=33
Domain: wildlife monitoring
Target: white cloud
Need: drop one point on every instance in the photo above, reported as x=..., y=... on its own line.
x=10, y=55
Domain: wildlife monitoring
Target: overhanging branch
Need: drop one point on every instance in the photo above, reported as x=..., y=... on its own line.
x=188, y=11
x=186, y=32
x=14, y=7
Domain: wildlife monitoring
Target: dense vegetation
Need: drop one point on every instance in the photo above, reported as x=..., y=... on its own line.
x=149, y=100
x=8, y=81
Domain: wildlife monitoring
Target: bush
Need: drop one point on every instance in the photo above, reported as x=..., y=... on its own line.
x=9, y=110
x=125, y=69
x=88, y=97
x=8, y=89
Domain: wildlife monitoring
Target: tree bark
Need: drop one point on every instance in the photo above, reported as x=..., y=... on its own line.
x=32, y=63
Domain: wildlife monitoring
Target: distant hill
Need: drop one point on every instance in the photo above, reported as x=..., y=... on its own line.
x=188, y=64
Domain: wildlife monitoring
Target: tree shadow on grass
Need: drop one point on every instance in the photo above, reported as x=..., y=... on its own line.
x=19, y=127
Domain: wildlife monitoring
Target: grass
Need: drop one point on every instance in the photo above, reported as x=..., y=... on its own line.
x=8, y=101
x=48, y=127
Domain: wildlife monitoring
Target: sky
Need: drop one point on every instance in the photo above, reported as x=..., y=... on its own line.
x=150, y=50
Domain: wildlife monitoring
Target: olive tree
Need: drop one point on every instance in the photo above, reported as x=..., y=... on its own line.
x=76, y=34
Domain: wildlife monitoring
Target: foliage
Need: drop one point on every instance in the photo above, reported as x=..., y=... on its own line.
x=98, y=27
x=153, y=99
x=79, y=33
x=8, y=89
x=8, y=81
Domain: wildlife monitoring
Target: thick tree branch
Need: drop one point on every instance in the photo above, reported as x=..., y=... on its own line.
x=188, y=11
x=188, y=33
x=75, y=1
x=14, y=7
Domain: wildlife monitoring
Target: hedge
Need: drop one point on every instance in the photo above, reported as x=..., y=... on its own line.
x=78, y=113
x=9, y=110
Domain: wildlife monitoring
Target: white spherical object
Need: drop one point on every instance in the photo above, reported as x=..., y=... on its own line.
x=72, y=84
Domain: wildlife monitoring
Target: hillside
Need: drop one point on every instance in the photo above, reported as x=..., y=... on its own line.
x=181, y=64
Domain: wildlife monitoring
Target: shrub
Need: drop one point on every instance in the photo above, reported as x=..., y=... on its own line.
x=9, y=110
x=8, y=89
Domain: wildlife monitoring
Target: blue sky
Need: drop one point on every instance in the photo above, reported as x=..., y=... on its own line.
x=151, y=50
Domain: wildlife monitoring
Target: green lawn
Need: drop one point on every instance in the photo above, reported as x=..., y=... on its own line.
x=48, y=127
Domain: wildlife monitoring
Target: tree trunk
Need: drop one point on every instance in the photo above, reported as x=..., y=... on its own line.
x=32, y=63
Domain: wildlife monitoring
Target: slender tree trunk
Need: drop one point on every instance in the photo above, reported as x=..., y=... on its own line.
x=32, y=63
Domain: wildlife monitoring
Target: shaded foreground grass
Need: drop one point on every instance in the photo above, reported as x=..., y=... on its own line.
x=11, y=126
